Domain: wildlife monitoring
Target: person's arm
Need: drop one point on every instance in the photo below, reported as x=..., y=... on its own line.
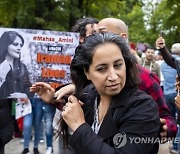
x=57, y=97
x=134, y=52
x=177, y=101
x=64, y=90
x=62, y=93
x=160, y=45
x=150, y=84
x=169, y=128
x=177, y=98
x=168, y=57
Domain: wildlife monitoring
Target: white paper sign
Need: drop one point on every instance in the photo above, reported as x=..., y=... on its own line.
x=17, y=95
x=23, y=107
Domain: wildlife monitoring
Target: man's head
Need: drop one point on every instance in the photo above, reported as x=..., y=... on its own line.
x=114, y=25
x=175, y=49
x=85, y=26
x=149, y=53
x=157, y=55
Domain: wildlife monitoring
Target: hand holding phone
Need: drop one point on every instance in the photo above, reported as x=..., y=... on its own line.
x=160, y=43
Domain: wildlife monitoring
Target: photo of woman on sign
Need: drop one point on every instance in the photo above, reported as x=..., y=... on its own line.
x=14, y=75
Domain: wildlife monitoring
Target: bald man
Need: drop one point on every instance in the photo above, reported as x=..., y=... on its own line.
x=149, y=82
x=85, y=27
x=113, y=25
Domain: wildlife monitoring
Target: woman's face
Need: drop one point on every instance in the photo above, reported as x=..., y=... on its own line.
x=14, y=49
x=107, y=71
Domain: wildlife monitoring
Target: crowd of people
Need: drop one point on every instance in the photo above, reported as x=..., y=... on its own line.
x=115, y=96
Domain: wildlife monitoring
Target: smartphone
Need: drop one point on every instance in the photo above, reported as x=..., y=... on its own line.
x=161, y=34
x=177, y=64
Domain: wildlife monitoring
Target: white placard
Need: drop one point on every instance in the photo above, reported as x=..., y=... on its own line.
x=23, y=107
x=43, y=56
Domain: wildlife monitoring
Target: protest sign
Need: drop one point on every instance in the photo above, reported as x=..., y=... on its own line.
x=28, y=56
x=22, y=108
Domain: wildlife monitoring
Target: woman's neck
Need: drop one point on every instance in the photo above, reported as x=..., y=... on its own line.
x=103, y=107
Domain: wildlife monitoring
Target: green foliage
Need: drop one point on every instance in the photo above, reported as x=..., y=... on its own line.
x=166, y=19
x=135, y=20
x=8, y=12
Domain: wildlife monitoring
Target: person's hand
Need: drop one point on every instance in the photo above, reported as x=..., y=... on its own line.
x=134, y=52
x=44, y=90
x=164, y=130
x=72, y=113
x=177, y=101
x=160, y=43
x=65, y=91
x=177, y=84
x=177, y=98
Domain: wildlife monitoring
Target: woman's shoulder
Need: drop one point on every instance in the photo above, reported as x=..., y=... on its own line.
x=141, y=99
x=140, y=94
x=135, y=94
x=139, y=105
x=132, y=97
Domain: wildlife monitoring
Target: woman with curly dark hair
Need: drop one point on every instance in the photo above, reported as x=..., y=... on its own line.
x=107, y=113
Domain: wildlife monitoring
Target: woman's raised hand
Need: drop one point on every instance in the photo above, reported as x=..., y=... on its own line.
x=72, y=113
x=44, y=90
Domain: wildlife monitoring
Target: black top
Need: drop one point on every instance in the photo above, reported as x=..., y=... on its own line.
x=16, y=81
x=134, y=114
x=6, y=123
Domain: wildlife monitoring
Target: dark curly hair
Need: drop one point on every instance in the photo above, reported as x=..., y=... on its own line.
x=80, y=25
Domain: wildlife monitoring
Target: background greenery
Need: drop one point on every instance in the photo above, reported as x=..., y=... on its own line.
x=146, y=19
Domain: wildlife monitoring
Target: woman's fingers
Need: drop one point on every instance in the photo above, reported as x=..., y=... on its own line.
x=66, y=90
x=73, y=99
x=177, y=101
